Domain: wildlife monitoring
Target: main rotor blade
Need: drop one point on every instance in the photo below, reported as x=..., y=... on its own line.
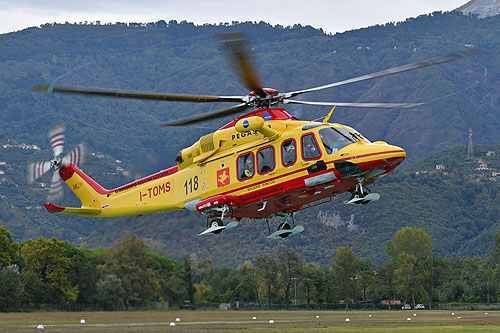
x=205, y=116
x=135, y=94
x=356, y=105
x=241, y=59
x=404, y=68
x=56, y=138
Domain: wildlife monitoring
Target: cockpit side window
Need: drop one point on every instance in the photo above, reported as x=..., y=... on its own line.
x=288, y=152
x=333, y=140
x=310, y=149
x=265, y=159
x=246, y=166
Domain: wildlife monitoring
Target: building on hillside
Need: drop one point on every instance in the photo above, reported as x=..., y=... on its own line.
x=491, y=153
x=482, y=166
x=440, y=167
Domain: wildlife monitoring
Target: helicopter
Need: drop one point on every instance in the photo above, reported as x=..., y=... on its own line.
x=264, y=163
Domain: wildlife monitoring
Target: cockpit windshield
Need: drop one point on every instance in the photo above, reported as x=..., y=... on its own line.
x=335, y=138
x=358, y=134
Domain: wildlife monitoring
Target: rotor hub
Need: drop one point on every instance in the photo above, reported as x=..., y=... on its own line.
x=56, y=163
x=272, y=97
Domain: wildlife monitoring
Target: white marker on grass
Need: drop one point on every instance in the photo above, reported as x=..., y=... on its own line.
x=271, y=321
x=82, y=321
x=177, y=319
x=172, y=324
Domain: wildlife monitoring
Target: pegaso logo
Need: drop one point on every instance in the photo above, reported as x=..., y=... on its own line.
x=76, y=186
x=244, y=134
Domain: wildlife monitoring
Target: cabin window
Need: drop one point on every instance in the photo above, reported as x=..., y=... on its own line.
x=265, y=159
x=246, y=166
x=333, y=140
x=288, y=152
x=310, y=149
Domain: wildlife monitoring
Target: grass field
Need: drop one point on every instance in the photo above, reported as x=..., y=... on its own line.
x=231, y=321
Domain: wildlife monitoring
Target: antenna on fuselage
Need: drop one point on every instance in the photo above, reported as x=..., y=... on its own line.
x=327, y=118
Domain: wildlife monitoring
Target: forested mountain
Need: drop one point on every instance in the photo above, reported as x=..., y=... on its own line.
x=184, y=58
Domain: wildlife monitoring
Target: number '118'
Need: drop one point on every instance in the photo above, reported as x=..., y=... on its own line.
x=191, y=185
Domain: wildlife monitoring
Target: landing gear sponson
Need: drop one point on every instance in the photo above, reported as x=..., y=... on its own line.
x=361, y=195
x=284, y=229
x=216, y=226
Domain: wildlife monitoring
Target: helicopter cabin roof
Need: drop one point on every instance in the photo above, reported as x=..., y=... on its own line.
x=266, y=114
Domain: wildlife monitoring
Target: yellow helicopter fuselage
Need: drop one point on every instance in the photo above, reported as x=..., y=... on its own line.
x=262, y=163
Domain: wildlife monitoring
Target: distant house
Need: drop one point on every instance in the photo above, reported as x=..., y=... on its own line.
x=491, y=153
x=440, y=167
x=393, y=302
x=482, y=166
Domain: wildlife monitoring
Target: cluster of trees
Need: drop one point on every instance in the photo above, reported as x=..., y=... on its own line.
x=49, y=271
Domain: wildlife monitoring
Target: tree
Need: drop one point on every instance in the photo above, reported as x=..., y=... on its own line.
x=44, y=258
x=10, y=288
x=313, y=280
x=34, y=290
x=411, y=252
x=130, y=262
x=82, y=271
x=385, y=275
x=187, y=277
x=164, y=269
x=344, y=271
x=268, y=271
x=204, y=293
x=8, y=247
x=110, y=292
x=289, y=264
x=364, y=274
x=247, y=289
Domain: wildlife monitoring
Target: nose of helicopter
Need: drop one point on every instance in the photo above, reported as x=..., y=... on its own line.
x=371, y=160
x=385, y=158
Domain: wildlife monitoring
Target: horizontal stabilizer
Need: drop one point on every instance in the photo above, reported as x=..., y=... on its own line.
x=52, y=208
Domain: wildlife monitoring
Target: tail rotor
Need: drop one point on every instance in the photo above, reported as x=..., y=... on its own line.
x=38, y=169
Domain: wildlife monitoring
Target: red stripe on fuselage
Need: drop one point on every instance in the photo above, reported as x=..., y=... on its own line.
x=67, y=172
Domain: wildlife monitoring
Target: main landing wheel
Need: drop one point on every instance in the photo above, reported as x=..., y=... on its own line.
x=216, y=223
x=357, y=195
x=284, y=226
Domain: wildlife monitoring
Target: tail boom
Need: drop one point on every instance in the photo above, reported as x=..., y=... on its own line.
x=123, y=201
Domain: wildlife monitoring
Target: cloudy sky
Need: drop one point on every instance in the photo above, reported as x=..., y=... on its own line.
x=331, y=15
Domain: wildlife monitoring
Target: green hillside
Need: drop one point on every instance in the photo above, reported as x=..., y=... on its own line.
x=459, y=210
